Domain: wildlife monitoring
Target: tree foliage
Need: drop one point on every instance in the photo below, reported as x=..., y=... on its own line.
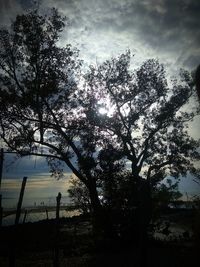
x=79, y=195
x=166, y=193
x=145, y=118
x=112, y=126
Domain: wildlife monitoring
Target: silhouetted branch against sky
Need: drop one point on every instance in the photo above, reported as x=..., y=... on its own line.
x=163, y=29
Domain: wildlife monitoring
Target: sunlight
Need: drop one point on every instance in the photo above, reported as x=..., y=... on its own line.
x=103, y=111
x=106, y=107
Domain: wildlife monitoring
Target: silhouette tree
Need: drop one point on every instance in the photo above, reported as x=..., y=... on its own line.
x=166, y=193
x=197, y=80
x=40, y=114
x=144, y=119
x=79, y=195
x=97, y=123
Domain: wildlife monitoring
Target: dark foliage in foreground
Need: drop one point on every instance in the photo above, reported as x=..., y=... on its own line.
x=35, y=242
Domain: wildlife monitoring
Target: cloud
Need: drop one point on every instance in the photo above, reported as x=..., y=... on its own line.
x=37, y=188
x=166, y=29
x=16, y=168
x=189, y=186
x=40, y=184
x=34, y=184
x=8, y=11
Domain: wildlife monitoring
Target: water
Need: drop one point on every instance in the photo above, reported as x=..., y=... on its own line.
x=37, y=216
x=176, y=232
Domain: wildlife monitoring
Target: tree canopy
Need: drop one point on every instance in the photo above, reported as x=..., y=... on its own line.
x=144, y=118
x=102, y=124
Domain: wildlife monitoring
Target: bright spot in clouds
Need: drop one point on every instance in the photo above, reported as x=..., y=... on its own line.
x=106, y=107
x=103, y=111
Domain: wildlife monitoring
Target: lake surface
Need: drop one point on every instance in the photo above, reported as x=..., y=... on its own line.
x=176, y=231
x=34, y=216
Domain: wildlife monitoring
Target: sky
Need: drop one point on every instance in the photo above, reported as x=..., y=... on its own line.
x=168, y=30
x=40, y=186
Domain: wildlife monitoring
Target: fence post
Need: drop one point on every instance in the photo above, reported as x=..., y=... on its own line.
x=56, y=255
x=58, y=198
x=1, y=211
x=12, y=251
x=1, y=173
x=1, y=165
x=19, y=205
x=25, y=214
x=47, y=214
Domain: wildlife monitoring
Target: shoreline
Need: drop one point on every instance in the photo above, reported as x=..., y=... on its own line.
x=11, y=211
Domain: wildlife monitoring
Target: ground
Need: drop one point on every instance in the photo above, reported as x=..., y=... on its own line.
x=34, y=244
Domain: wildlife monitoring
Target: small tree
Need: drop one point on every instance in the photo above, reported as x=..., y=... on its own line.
x=79, y=195
x=166, y=193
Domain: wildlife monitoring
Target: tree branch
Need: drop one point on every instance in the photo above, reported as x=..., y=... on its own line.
x=158, y=167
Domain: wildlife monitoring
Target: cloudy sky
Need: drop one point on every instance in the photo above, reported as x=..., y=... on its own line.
x=165, y=29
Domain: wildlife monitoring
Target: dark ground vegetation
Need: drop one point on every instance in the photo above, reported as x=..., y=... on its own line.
x=34, y=244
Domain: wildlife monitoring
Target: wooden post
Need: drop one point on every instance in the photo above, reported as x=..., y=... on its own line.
x=1, y=211
x=47, y=214
x=1, y=165
x=12, y=255
x=25, y=214
x=19, y=205
x=56, y=252
x=58, y=198
x=1, y=173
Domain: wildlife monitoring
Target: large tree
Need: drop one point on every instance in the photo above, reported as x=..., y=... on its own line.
x=97, y=123
x=143, y=118
x=39, y=111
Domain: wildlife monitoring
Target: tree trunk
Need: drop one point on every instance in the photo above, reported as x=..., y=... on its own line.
x=145, y=214
x=96, y=208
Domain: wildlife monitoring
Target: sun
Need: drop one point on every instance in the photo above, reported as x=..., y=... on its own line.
x=103, y=111
x=106, y=108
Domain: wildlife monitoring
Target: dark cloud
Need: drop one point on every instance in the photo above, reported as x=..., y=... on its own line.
x=166, y=29
x=8, y=10
x=16, y=168
x=192, y=61
x=27, y=4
